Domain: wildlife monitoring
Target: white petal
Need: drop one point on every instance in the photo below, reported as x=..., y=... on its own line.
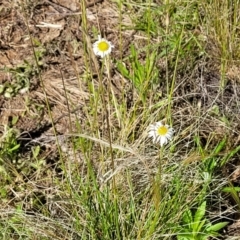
x=159, y=124
x=163, y=141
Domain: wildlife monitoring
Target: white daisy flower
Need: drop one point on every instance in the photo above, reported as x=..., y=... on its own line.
x=102, y=47
x=161, y=133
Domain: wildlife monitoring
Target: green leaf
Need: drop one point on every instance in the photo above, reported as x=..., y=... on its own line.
x=230, y=155
x=150, y=64
x=122, y=69
x=217, y=227
x=14, y=148
x=184, y=237
x=220, y=146
x=200, y=225
x=36, y=151
x=199, y=215
x=187, y=217
x=231, y=189
x=14, y=120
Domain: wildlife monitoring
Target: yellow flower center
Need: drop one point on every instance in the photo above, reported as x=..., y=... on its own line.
x=162, y=130
x=103, y=46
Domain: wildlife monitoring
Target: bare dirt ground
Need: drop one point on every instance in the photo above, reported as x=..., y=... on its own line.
x=60, y=51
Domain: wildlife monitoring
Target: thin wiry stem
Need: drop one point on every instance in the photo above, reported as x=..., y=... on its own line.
x=107, y=64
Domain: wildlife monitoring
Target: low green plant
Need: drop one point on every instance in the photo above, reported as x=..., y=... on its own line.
x=230, y=154
x=21, y=79
x=8, y=144
x=234, y=193
x=211, y=161
x=22, y=74
x=195, y=226
x=142, y=74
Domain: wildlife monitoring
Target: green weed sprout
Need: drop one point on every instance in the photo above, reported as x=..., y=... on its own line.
x=197, y=227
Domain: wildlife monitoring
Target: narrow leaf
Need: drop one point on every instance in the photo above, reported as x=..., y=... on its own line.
x=122, y=69
x=187, y=217
x=199, y=215
x=231, y=189
x=218, y=226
